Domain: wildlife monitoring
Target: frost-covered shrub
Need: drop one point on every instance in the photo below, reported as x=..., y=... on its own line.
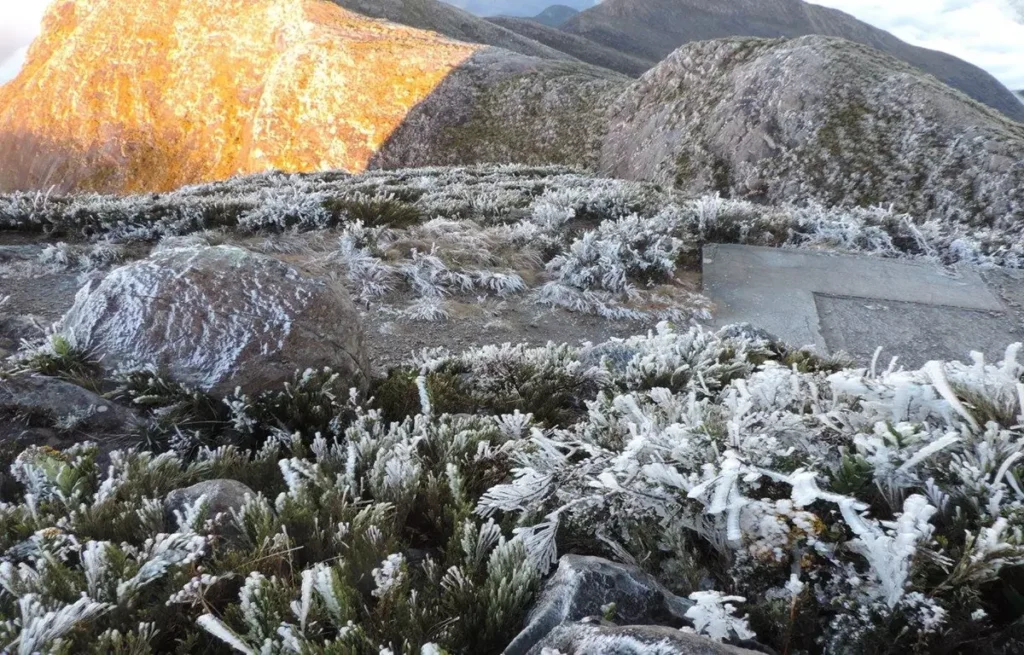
x=855, y=510
x=411, y=239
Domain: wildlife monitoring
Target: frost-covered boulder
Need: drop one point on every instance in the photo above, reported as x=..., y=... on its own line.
x=586, y=586
x=593, y=639
x=217, y=318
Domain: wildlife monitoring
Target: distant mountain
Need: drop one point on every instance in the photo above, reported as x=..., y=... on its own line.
x=304, y=85
x=817, y=118
x=524, y=8
x=1020, y=95
x=651, y=29
x=575, y=46
x=450, y=21
x=555, y=15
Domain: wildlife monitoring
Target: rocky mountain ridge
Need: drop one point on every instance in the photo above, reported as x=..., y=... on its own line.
x=442, y=18
x=709, y=118
x=651, y=29
x=575, y=46
x=555, y=15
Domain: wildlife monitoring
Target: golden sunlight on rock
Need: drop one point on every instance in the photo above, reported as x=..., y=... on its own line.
x=121, y=96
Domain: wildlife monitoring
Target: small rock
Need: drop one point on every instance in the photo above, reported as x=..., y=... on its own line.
x=222, y=495
x=747, y=331
x=591, y=639
x=584, y=586
x=616, y=355
x=217, y=318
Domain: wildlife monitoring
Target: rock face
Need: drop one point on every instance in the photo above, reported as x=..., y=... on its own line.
x=587, y=639
x=817, y=118
x=585, y=587
x=120, y=96
x=651, y=29
x=216, y=318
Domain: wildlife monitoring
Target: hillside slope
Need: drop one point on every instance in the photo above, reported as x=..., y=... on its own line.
x=300, y=85
x=449, y=21
x=651, y=29
x=817, y=118
x=575, y=46
x=555, y=15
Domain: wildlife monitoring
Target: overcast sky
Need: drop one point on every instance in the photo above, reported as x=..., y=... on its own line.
x=989, y=33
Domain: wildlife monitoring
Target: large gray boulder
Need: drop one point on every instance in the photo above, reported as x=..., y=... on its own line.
x=594, y=639
x=217, y=318
x=589, y=586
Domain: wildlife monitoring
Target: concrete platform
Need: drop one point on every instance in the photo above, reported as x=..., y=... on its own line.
x=855, y=303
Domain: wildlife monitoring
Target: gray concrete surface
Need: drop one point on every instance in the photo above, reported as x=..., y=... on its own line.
x=855, y=303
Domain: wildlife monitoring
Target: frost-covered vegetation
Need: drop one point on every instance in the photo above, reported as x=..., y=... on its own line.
x=809, y=505
x=416, y=237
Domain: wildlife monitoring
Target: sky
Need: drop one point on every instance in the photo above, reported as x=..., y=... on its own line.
x=988, y=33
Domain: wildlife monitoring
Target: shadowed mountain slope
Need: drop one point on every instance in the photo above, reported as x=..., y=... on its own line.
x=450, y=21
x=575, y=46
x=651, y=29
x=522, y=8
x=555, y=15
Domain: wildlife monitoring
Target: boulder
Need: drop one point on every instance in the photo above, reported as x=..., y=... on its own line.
x=223, y=496
x=586, y=586
x=66, y=405
x=594, y=639
x=217, y=318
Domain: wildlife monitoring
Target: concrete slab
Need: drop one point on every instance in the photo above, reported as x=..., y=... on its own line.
x=914, y=332
x=855, y=303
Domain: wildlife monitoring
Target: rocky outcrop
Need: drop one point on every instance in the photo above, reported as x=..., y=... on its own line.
x=590, y=586
x=817, y=118
x=217, y=318
x=652, y=29
x=121, y=96
x=223, y=89
x=591, y=639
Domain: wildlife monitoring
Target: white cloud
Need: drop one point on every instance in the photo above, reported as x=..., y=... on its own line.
x=987, y=33
x=19, y=25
